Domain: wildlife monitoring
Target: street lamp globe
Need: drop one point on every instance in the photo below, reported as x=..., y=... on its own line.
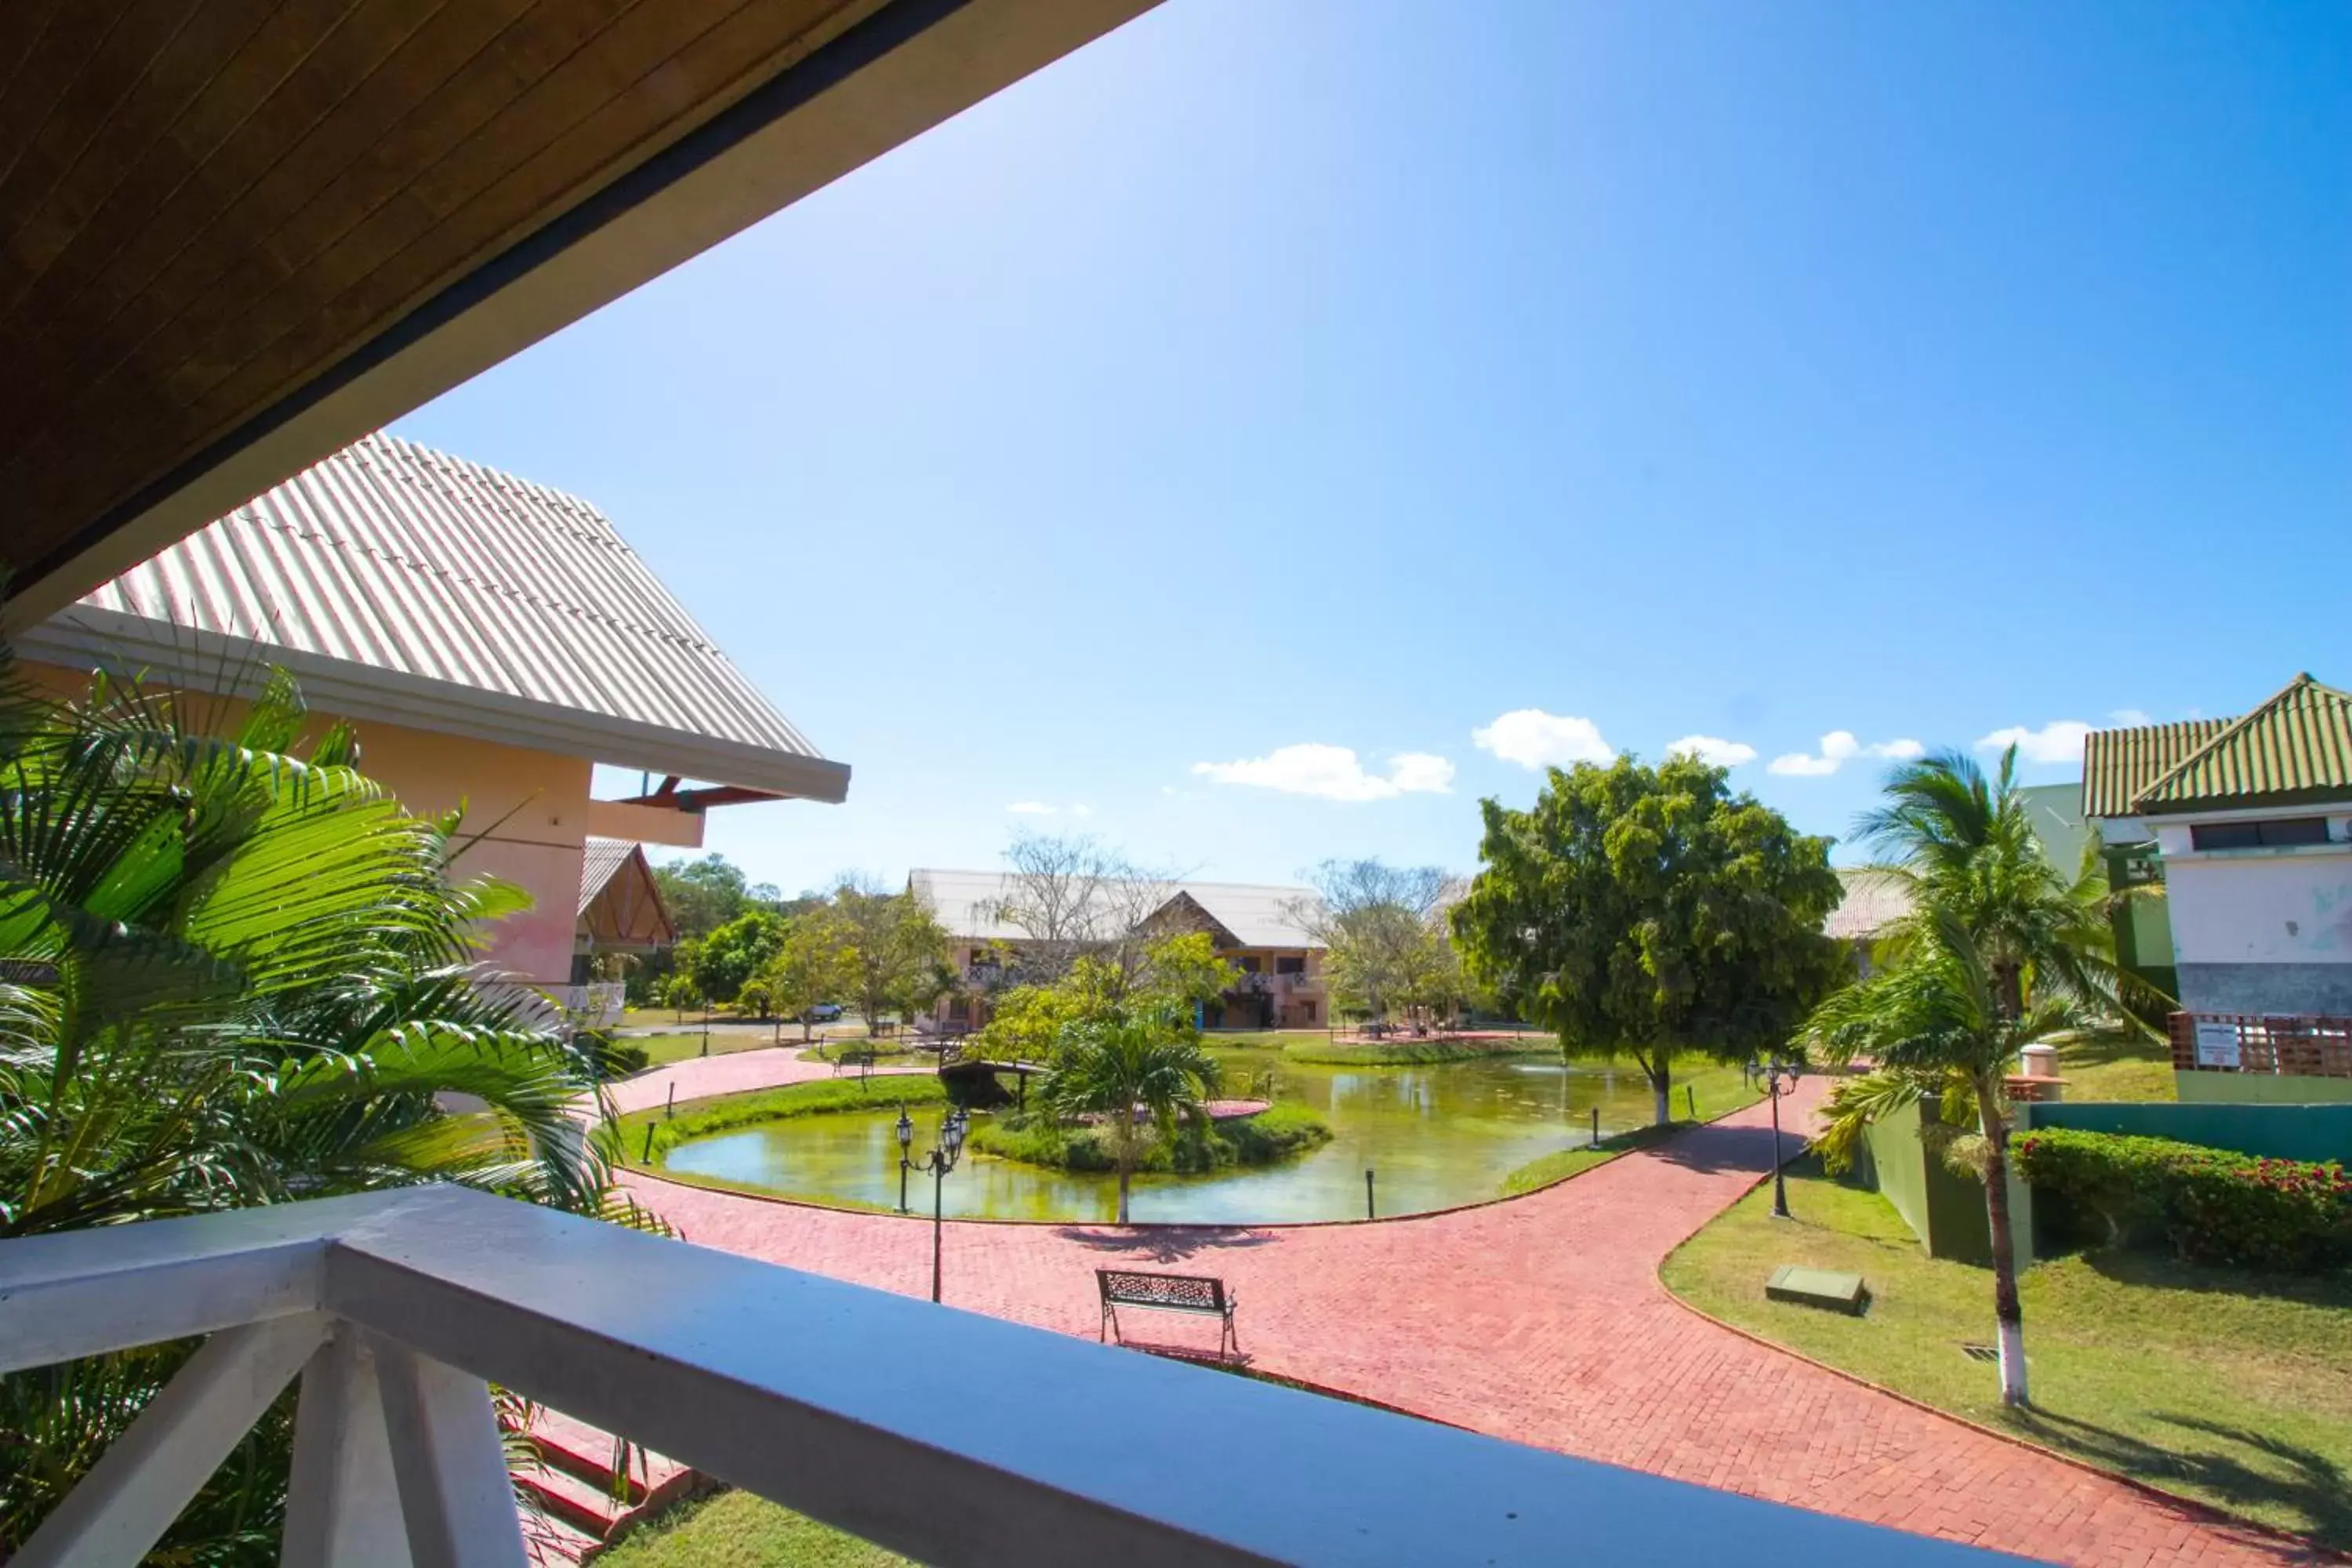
x=905, y=1132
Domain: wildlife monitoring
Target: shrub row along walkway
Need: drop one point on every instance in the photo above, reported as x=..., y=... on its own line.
x=1540, y=1320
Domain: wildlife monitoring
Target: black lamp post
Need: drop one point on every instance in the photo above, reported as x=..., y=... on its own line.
x=938, y=1163
x=1779, y=1077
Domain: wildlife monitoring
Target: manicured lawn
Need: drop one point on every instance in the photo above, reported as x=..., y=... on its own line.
x=2233, y=1388
x=1257, y=1039
x=1716, y=1089
x=662, y=1050
x=2136, y=1069
x=700, y=1118
x=1567, y=1162
x=736, y=1530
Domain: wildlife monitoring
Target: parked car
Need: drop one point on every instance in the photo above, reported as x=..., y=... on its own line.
x=825, y=1012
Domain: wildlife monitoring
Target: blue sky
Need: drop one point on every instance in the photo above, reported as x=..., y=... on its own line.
x=1462, y=387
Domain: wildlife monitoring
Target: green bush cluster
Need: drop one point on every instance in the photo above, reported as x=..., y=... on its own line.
x=1038, y=1139
x=2213, y=1205
x=617, y=1059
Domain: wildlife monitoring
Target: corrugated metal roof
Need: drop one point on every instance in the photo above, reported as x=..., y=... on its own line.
x=2297, y=745
x=2117, y=764
x=433, y=576
x=600, y=862
x=1874, y=898
x=964, y=903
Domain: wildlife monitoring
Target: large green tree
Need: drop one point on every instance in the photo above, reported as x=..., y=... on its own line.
x=724, y=959
x=1644, y=911
x=1384, y=935
x=2001, y=950
x=1171, y=974
x=814, y=963
x=702, y=895
x=893, y=944
x=234, y=972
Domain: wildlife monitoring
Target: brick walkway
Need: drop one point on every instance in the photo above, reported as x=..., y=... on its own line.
x=700, y=1078
x=1557, y=1334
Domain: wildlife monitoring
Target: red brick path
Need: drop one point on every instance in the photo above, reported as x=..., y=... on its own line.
x=1542, y=1320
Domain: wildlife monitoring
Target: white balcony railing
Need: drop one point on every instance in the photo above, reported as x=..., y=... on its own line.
x=954, y=1438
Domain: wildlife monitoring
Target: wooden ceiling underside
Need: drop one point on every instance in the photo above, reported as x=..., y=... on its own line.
x=205, y=203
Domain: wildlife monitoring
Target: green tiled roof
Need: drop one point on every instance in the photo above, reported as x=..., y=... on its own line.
x=2297, y=746
x=2117, y=764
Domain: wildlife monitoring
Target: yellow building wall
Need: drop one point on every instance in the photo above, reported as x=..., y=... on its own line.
x=530, y=809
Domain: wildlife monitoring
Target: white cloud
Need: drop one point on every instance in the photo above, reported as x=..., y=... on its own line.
x=2060, y=741
x=2130, y=718
x=1713, y=751
x=1534, y=739
x=1030, y=808
x=1420, y=772
x=1334, y=772
x=1840, y=747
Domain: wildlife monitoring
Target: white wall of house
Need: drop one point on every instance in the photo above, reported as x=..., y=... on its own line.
x=2260, y=930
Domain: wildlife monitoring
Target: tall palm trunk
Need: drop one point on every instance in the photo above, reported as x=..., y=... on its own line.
x=2009, y=1314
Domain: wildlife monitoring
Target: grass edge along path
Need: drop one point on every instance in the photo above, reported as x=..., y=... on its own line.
x=726, y=1112
x=2228, y=1389
x=735, y=1529
x=1716, y=1090
x=1412, y=1053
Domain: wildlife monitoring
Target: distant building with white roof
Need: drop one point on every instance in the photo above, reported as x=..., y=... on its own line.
x=1255, y=927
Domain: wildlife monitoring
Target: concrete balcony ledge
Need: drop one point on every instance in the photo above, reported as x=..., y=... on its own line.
x=952, y=1438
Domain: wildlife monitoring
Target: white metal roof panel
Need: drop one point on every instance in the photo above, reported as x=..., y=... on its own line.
x=402, y=583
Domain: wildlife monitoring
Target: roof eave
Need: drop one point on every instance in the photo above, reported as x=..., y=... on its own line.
x=2321, y=794
x=182, y=657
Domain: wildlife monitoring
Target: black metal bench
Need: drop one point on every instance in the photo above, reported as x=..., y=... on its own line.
x=1197, y=1295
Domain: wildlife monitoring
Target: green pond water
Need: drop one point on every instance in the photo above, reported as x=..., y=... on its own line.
x=1435, y=1137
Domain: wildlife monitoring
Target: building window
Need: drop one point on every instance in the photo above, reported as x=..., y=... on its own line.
x=1306, y=1011
x=1248, y=964
x=1290, y=966
x=2271, y=833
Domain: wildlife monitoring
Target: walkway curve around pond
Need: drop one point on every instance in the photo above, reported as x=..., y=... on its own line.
x=1540, y=1319
x=734, y=1072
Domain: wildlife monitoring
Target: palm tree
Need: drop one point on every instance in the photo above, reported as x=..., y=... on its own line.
x=1938, y=1029
x=234, y=972
x=1126, y=1064
x=2000, y=951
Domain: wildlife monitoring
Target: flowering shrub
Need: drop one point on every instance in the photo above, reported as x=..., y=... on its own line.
x=2213, y=1205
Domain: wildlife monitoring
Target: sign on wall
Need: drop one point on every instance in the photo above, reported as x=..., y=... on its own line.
x=2217, y=1045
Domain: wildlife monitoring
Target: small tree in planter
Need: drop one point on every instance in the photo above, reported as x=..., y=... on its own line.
x=1129, y=1066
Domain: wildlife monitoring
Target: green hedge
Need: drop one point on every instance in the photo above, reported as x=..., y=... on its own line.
x=1274, y=1134
x=2214, y=1205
